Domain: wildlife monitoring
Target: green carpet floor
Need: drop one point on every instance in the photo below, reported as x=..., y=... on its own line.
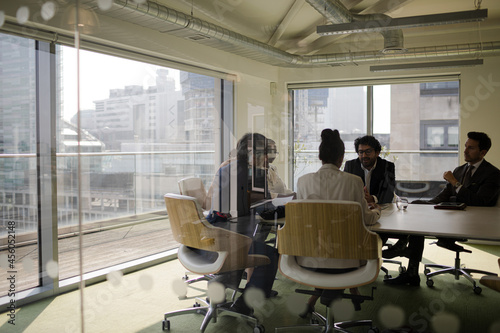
x=136, y=303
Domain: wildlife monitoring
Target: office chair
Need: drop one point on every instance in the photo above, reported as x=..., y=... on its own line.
x=456, y=270
x=328, y=229
x=492, y=282
x=193, y=187
x=401, y=268
x=229, y=249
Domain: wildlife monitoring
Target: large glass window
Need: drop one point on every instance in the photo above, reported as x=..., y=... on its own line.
x=126, y=133
x=18, y=166
x=143, y=128
x=416, y=124
x=316, y=109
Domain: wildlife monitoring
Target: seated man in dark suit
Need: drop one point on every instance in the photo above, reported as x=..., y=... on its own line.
x=476, y=183
x=377, y=174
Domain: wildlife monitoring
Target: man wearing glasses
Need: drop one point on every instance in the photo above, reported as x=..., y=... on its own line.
x=377, y=174
x=379, y=178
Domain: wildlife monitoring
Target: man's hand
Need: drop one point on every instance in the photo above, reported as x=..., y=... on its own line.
x=448, y=176
x=368, y=196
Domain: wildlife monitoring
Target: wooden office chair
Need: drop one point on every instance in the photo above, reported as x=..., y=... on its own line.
x=193, y=187
x=492, y=282
x=328, y=229
x=457, y=270
x=229, y=253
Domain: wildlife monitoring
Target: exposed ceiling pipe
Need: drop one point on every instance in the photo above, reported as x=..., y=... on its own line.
x=335, y=12
x=151, y=14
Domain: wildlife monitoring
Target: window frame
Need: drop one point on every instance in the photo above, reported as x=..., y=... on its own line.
x=370, y=83
x=445, y=124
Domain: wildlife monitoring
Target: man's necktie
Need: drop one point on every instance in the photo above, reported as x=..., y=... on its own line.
x=467, y=176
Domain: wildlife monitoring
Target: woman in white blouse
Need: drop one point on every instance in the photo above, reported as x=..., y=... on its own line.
x=329, y=183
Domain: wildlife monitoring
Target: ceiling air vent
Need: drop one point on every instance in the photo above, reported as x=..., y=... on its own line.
x=198, y=37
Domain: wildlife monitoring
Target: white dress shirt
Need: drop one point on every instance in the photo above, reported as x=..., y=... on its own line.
x=329, y=183
x=368, y=178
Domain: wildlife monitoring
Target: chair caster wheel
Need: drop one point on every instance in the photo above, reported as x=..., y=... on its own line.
x=402, y=269
x=387, y=277
x=427, y=271
x=165, y=325
x=429, y=283
x=477, y=290
x=259, y=329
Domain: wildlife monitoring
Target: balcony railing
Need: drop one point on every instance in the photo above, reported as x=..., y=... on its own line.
x=419, y=173
x=120, y=203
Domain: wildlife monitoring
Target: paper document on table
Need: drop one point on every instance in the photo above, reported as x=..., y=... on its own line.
x=281, y=201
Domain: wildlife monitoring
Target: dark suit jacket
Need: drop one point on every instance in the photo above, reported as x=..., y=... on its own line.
x=383, y=179
x=483, y=190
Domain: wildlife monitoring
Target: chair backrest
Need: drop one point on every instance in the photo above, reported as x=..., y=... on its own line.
x=193, y=187
x=191, y=229
x=327, y=229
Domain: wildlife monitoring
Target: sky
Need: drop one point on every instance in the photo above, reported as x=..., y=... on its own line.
x=102, y=73
x=382, y=109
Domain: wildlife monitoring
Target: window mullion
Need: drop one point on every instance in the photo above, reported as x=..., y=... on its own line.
x=46, y=160
x=369, y=110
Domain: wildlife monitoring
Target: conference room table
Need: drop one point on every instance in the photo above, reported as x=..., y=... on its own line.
x=480, y=223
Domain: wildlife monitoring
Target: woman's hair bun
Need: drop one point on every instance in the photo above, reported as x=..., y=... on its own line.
x=330, y=135
x=327, y=134
x=331, y=148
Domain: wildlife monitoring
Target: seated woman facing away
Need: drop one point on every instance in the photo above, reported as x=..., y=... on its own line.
x=329, y=183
